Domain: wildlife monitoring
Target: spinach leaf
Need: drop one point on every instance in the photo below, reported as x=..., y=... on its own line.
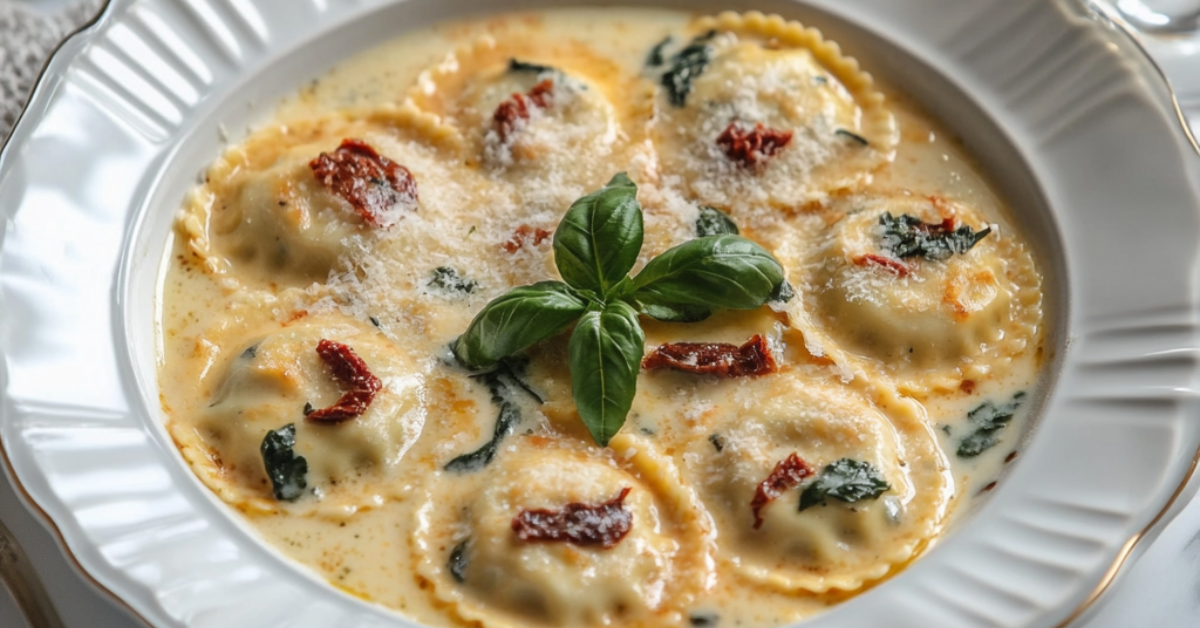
x=606, y=353
x=908, y=236
x=516, y=320
x=988, y=419
x=516, y=65
x=674, y=313
x=448, y=280
x=716, y=271
x=854, y=137
x=286, y=470
x=506, y=420
x=598, y=240
x=687, y=65
x=847, y=480
x=656, y=58
x=714, y=222
x=457, y=564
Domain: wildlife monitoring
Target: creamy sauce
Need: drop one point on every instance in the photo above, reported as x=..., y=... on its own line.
x=264, y=266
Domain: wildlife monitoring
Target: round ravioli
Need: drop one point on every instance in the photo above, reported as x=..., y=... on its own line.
x=287, y=205
x=924, y=288
x=556, y=119
x=324, y=388
x=758, y=112
x=813, y=489
x=563, y=537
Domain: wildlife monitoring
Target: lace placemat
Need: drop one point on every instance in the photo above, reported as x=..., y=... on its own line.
x=27, y=37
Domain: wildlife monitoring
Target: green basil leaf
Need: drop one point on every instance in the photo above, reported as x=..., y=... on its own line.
x=717, y=271
x=606, y=355
x=598, y=240
x=517, y=319
x=286, y=470
x=675, y=313
x=847, y=480
x=714, y=222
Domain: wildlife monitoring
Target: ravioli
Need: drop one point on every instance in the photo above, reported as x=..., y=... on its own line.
x=277, y=379
x=495, y=578
x=554, y=118
x=759, y=112
x=837, y=544
x=264, y=216
x=937, y=319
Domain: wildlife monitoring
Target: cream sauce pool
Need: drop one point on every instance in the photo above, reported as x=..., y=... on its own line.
x=881, y=362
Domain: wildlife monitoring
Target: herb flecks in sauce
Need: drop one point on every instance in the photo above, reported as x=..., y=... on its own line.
x=595, y=246
x=907, y=236
x=603, y=524
x=846, y=480
x=286, y=470
x=987, y=419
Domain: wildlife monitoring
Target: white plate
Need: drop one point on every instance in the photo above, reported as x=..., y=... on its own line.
x=1079, y=135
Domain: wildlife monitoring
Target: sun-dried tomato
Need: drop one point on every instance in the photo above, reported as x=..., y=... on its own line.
x=352, y=373
x=602, y=524
x=523, y=235
x=515, y=111
x=748, y=145
x=379, y=189
x=715, y=358
x=896, y=266
x=788, y=473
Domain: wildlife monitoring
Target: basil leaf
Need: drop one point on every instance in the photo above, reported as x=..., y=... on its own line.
x=598, y=240
x=717, y=271
x=988, y=419
x=847, y=480
x=517, y=319
x=675, y=313
x=606, y=354
x=713, y=222
x=285, y=469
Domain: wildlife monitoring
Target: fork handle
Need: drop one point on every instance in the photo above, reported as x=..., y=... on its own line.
x=17, y=573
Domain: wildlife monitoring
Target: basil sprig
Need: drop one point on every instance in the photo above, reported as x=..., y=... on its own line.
x=595, y=246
